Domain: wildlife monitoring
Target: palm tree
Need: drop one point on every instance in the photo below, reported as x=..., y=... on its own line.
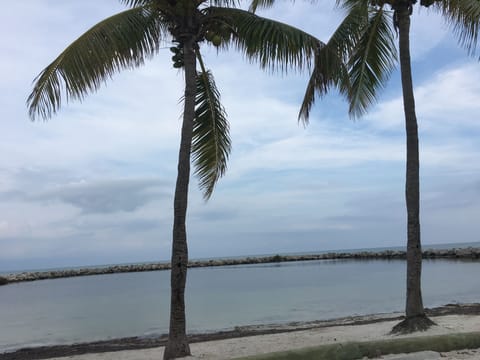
x=365, y=40
x=126, y=40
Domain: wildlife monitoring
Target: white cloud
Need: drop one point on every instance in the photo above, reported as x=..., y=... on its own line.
x=447, y=100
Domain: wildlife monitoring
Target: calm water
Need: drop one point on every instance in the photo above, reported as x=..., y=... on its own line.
x=109, y=306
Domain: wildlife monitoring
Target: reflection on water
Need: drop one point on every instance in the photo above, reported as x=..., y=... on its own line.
x=109, y=306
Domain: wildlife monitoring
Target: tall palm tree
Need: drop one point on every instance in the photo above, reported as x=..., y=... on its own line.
x=365, y=41
x=126, y=40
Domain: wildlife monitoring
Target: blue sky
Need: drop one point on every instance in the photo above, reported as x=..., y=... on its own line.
x=94, y=184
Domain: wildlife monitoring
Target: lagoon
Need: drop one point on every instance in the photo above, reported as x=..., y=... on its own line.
x=101, y=307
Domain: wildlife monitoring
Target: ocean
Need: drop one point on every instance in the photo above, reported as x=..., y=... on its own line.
x=101, y=307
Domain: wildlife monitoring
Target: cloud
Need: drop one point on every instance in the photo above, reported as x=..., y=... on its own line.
x=446, y=101
x=107, y=197
x=95, y=184
x=466, y=194
x=220, y=214
x=98, y=197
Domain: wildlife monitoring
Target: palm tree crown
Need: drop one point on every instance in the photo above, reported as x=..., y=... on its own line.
x=126, y=40
x=365, y=46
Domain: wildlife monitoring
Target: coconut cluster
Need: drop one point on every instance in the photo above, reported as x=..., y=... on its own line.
x=177, y=57
x=219, y=34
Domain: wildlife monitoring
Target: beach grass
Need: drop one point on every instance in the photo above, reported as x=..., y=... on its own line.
x=370, y=349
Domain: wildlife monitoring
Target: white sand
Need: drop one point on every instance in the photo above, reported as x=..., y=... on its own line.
x=232, y=348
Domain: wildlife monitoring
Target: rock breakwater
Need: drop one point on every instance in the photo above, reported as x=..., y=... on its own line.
x=462, y=253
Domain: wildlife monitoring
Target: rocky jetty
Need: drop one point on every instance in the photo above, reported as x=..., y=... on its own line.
x=461, y=253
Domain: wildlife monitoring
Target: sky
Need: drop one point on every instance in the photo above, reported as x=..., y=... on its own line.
x=94, y=184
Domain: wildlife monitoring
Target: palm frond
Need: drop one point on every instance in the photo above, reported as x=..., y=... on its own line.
x=255, y=4
x=350, y=5
x=274, y=45
x=122, y=41
x=464, y=18
x=371, y=61
x=164, y=3
x=211, y=143
x=224, y=3
x=135, y=3
x=349, y=32
x=330, y=69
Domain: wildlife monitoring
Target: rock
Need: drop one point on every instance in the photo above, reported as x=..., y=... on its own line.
x=467, y=253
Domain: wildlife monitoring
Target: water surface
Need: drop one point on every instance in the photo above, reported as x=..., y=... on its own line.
x=129, y=304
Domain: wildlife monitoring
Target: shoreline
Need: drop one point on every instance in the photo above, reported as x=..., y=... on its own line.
x=141, y=343
x=469, y=253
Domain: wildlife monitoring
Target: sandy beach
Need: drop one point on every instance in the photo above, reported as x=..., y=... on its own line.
x=259, y=344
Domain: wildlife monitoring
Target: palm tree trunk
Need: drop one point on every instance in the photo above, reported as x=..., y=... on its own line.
x=415, y=313
x=177, y=345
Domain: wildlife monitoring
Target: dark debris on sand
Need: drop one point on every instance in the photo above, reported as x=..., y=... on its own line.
x=136, y=343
